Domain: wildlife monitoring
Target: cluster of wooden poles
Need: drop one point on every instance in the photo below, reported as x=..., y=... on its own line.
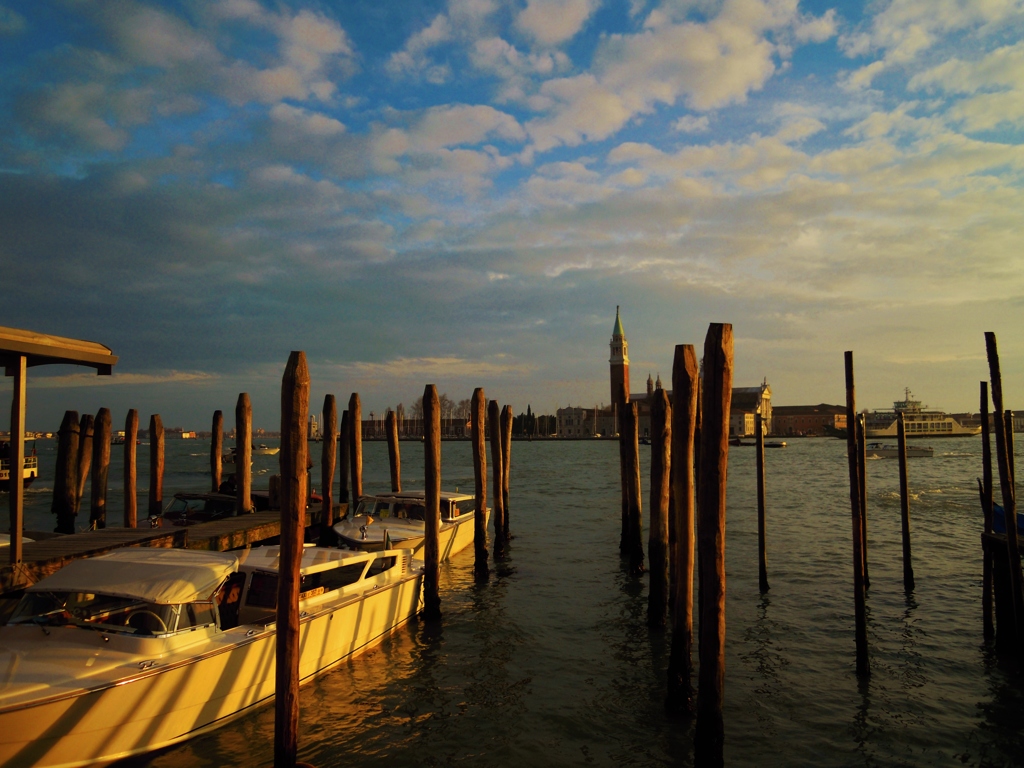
x=293, y=487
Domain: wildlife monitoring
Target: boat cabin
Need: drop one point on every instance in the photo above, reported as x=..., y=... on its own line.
x=412, y=506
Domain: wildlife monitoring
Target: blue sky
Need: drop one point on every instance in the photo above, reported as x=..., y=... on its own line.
x=460, y=193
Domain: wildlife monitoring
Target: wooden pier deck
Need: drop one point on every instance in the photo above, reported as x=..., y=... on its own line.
x=41, y=558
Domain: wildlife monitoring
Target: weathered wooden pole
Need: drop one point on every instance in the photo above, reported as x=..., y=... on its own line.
x=718, y=366
x=620, y=406
x=862, y=461
x=1003, y=457
x=294, y=453
x=494, y=419
x=131, y=499
x=344, y=444
x=243, y=455
x=394, y=454
x=853, y=459
x=478, y=415
x=506, y=468
x=432, y=502
x=17, y=366
x=156, y=465
x=908, y=567
x=65, y=481
x=685, y=383
x=355, y=435
x=86, y=429
x=985, y=490
x=661, y=482
x=100, y=469
x=631, y=430
x=217, y=450
x=762, y=550
x=328, y=459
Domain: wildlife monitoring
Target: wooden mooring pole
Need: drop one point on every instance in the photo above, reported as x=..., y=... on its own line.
x=156, y=465
x=908, y=567
x=853, y=452
x=634, y=512
x=217, y=450
x=394, y=454
x=294, y=453
x=65, y=481
x=685, y=383
x=17, y=367
x=862, y=461
x=355, y=437
x=86, y=429
x=432, y=503
x=243, y=455
x=718, y=366
x=1004, y=454
x=100, y=469
x=762, y=549
x=506, y=468
x=131, y=499
x=661, y=482
x=344, y=459
x=985, y=491
x=328, y=460
x=478, y=415
x=497, y=475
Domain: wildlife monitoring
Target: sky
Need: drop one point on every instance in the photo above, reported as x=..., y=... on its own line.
x=460, y=193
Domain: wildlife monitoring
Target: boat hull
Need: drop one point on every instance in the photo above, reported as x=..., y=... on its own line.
x=453, y=537
x=176, y=698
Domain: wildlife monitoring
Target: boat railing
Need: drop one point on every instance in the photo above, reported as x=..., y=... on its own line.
x=31, y=462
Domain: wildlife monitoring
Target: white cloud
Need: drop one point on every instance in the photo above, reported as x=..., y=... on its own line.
x=551, y=22
x=692, y=124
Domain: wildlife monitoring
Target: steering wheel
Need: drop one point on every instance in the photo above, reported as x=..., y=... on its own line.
x=162, y=627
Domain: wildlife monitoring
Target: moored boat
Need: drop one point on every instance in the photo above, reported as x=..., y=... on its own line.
x=918, y=421
x=142, y=648
x=398, y=518
x=30, y=469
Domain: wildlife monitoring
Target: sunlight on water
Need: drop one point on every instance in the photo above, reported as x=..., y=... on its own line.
x=550, y=662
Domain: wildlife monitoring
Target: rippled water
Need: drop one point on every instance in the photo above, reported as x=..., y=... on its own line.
x=550, y=662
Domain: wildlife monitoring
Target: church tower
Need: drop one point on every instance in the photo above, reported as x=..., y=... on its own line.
x=619, y=361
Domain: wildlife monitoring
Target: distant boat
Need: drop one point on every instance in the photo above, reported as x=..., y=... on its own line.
x=264, y=450
x=918, y=421
x=880, y=451
x=29, y=473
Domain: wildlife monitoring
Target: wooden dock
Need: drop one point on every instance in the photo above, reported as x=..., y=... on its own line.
x=41, y=558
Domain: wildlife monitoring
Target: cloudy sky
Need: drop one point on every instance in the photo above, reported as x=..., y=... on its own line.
x=461, y=192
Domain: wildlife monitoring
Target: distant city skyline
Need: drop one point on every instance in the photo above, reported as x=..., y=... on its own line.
x=460, y=192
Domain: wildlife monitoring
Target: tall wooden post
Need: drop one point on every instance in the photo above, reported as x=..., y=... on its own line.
x=762, y=549
x=18, y=368
x=217, y=450
x=65, y=481
x=344, y=443
x=988, y=628
x=294, y=453
x=908, y=567
x=718, y=366
x=243, y=455
x=506, y=467
x=355, y=435
x=631, y=430
x=328, y=457
x=86, y=429
x=394, y=456
x=685, y=383
x=131, y=499
x=619, y=408
x=1003, y=457
x=156, y=465
x=432, y=502
x=853, y=451
x=862, y=462
x=478, y=415
x=661, y=481
x=497, y=462
x=100, y=469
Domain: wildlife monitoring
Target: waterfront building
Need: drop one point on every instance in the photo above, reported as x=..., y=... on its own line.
x=808, y=420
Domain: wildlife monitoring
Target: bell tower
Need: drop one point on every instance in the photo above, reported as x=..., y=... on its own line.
x=619, y=362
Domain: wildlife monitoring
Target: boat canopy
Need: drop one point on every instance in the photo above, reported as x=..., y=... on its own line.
x=155, y=575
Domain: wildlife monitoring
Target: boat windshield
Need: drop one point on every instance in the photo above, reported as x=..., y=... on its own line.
x=110, y=613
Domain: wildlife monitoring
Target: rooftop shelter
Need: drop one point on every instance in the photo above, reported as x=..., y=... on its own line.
x=19, y=351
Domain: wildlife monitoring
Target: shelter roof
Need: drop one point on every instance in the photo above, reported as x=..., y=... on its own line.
x=44, y=349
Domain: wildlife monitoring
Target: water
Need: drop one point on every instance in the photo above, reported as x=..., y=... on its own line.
x=550, y=663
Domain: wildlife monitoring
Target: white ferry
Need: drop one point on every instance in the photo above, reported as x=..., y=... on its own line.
x=29, y=473
x=918, y=421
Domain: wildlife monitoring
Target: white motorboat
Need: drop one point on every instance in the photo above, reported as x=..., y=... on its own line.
x=30, y=468
x=265, y=450
x=138, y=649
x=880, y=451
x=398, y=519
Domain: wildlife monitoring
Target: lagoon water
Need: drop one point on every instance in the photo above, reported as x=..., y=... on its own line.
x=550, y=663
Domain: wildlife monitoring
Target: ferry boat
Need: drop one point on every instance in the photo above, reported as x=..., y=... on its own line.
x=29, y=473
x=918, y=421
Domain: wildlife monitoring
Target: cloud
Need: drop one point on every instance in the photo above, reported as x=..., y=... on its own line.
x=551, y=22
x=691, y=124
x=462, y=21
x=121, y=379
x=11, y=22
